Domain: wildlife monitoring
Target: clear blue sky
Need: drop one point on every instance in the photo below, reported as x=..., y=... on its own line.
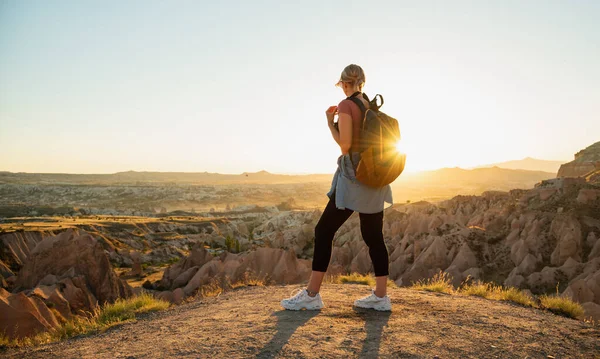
x=234, y=86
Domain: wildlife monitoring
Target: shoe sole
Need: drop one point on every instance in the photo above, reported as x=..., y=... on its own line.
x=380, y=308
x=316, y=307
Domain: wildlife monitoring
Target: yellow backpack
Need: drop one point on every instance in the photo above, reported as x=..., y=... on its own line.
x=380, y=161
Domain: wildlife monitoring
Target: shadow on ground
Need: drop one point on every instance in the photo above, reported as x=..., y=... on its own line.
x=288, y=322
x=374, y=324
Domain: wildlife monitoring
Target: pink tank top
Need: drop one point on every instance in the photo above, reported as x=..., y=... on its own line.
x=352, y=109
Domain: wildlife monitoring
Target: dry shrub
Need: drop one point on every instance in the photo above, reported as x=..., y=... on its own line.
x=122, y=310
x=562, y=306
x=355, y=278
x=478, y=289
x=496, y=292
x=441, y=282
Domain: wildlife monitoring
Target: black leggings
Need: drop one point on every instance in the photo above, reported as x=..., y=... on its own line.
x=371, y=228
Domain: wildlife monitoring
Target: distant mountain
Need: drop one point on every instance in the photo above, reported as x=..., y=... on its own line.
x=448, y=182
x=528, y=163
x=485, y=174
x=155, y=178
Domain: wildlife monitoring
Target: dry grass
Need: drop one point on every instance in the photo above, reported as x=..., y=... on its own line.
x=221, y=285
x=562, y=306
x=121, y=311
x=441, y=282
x=495, y=292
x=355, y=278
x=477, y=289
x=516, y=296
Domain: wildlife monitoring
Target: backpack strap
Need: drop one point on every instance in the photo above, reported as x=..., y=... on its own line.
x=358, y=102
x=363, y=110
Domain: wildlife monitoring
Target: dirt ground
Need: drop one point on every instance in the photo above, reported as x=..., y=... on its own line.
x=249, y=323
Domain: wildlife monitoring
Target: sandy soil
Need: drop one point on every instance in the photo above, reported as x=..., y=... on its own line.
x=249, y=322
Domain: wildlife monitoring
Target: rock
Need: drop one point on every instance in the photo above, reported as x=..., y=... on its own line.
x=585, y=161
x=362, y=262
x=178, y=296
x=166, y=295
x=514, y=280
x=136, y=268
x=399, y=266
x=279, y=265
x=455, y=274
x=75, y=291
x=184, y=277
x=578, y=291
x=243, y=229
x=203, y=276
x=5, y=271
x=465, y=258
x=429, y=262
x=528, y=265
x=474, y=273
x=518, y=251
x=591, y=310
x=23, y=316
x=50, y=279
x=587, y=195
x=546, y=193
x=81, y=254
x=197, y=258
x=591, y=239
x=52, y=297
x=571, y=267
x=568, y=232
x=16, y=247
x=341, y=256
x=595, y=252
x=528, y=293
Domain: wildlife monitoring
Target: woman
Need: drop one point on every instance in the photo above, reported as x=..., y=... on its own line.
x=346, y=196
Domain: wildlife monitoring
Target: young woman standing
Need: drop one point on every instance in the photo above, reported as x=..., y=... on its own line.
x=347, y=195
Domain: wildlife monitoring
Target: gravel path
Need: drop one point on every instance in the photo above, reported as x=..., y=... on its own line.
x=248, y=323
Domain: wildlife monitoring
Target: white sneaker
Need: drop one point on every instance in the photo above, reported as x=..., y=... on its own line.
x=374, y=302
x=303, y=300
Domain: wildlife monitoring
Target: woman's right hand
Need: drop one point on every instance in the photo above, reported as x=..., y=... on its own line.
x=330, y=113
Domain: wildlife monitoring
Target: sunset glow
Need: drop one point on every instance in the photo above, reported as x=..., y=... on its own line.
x=232, y=88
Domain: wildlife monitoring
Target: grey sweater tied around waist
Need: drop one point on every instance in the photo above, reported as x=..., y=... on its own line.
x=351, y=194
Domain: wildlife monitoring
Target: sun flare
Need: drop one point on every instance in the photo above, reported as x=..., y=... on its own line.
x=398, y=147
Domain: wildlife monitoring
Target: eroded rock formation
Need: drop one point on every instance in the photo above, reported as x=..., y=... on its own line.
x=64, y=275
x=586, y=161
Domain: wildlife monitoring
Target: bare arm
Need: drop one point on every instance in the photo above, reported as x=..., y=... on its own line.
x=334, y=133
x=345, y=132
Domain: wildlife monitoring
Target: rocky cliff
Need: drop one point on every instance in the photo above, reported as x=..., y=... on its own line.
x=64, y=275
x=586, y=161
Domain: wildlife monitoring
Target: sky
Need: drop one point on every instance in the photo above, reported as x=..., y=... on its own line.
x=242, y=86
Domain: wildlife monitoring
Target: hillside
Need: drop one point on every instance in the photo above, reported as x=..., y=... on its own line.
x=151, y=193
x=136, y=177
x=528, y=163
x=249, y=322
